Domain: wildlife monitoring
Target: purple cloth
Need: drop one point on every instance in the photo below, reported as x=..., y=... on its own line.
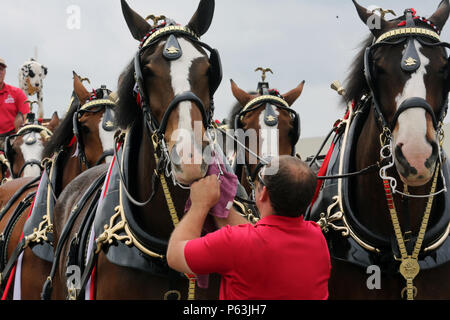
x=228, y=188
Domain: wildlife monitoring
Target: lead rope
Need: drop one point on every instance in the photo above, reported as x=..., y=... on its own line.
x=173, y=214
x=409, y=267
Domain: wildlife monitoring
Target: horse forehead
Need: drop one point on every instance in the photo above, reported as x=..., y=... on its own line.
x=181, y=68
x=415, y=85
x=268, y=135
x=31, y=151
x=106, y=137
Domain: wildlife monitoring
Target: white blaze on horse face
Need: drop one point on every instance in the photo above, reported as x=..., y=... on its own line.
x=268, y=137
x=179, y=72
x=32, y=152
x=412, y=125
x=106, y=138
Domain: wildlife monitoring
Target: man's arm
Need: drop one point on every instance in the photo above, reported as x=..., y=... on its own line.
x=204, y=195
x=234, y=218
x=21, y=104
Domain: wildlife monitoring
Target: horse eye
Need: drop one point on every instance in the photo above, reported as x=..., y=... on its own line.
x=146, y=71
x=85, y=129
x=443, y=69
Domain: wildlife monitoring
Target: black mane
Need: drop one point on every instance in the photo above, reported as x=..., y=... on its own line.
x=63, y=133
x=127, y=108
x=355, y=83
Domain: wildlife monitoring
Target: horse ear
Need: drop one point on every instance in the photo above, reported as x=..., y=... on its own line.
x=54, y=122
x=202, y=18
x=241, y=96
x=376, y=23
x=19, y=121
x=80, y=91
x=294, y=94
x=440, y=17
x=137, y=25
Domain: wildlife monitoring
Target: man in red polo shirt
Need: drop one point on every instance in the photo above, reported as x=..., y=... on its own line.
x=282, y=257
x=12, y=101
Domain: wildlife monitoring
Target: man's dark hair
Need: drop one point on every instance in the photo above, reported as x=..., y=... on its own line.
x=291, y=188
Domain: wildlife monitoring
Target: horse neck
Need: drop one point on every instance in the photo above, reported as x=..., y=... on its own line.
x=71, y=167
x=371, y=204
x=154, y=218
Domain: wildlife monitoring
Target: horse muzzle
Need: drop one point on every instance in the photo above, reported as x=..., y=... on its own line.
x=415, y=152
x=187, y=162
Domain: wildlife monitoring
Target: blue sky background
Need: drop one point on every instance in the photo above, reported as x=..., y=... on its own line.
x=298, y=39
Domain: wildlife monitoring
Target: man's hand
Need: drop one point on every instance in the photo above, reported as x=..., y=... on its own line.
x=205, y=193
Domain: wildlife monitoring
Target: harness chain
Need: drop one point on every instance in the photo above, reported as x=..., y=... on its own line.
x=173, y=215
x=409, y=268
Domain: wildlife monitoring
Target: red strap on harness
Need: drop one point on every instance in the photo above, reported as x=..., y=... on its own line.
x=322, y=172
x=92, y=293
x=138, y=99
x=323, y=169
x=72, y=142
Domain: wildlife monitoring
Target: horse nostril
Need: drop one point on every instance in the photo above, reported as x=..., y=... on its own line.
x=175, y=157
x=431, y=161
x=405, y=169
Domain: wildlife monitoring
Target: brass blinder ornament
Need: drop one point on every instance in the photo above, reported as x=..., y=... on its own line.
x=410, y=62
x=172, y=50
x=109, y=124
x=270, y=118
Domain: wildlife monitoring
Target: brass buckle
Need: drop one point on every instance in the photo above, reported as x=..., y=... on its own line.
x=168, y=293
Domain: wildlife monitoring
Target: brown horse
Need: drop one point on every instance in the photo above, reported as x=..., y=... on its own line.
x=78, y=144
x=388, y=228
x=164, y=119
x=266, y=117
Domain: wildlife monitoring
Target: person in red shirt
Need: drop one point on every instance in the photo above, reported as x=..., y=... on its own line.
x=282, y=257
x=12, y=101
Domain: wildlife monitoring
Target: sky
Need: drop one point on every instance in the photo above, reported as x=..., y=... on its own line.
x=315, y=41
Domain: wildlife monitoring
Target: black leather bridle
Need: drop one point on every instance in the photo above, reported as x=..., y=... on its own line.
x=30, y=128
x=268, y=101
x=108, y=123
x=408, y=34
x=215, y=77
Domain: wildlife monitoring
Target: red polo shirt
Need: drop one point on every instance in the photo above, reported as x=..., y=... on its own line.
x=279, y=258
x=12, y=101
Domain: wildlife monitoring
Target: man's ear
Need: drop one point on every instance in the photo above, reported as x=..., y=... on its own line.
x=264, y=195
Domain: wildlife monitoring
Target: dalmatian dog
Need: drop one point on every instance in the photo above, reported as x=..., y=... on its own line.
x=31, y=76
